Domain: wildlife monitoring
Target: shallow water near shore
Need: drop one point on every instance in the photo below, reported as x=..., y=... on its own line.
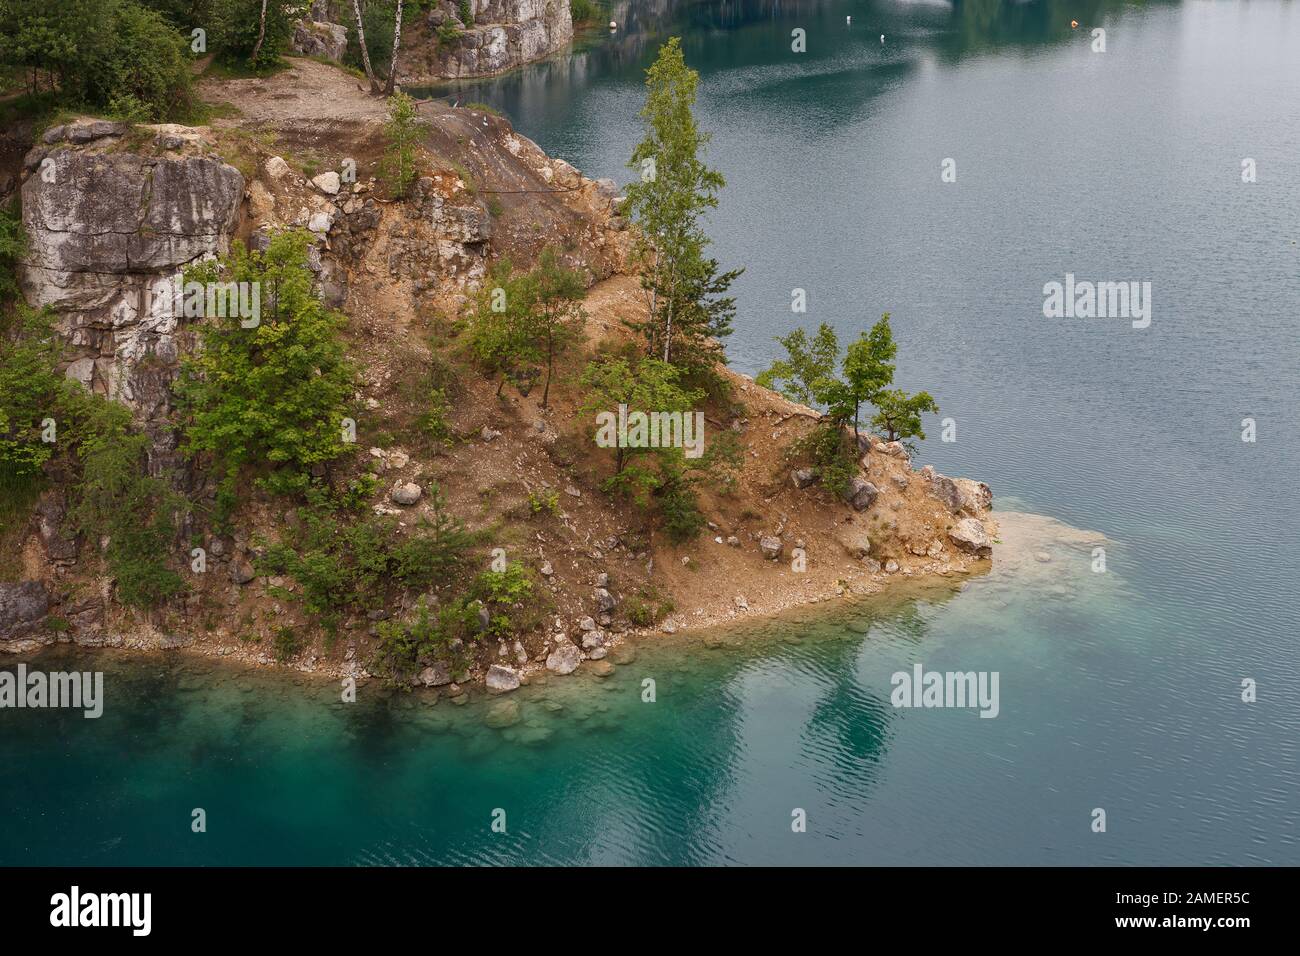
x=1119, y=690
x=746, y=725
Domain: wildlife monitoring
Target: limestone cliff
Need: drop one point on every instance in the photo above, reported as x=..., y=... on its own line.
x=483, y=37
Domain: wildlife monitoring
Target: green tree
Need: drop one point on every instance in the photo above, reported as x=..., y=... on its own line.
x=646, y=473
x=502, y=332
x=255, y=32
x=31, y=391
x=556, y=315
x=273, y=396
x=111, y=55
x=117, y=500
x=401, y=135
x=689, y=310
x=362, y=41
x=898, y=414
x=868, y=370
x=807, y=374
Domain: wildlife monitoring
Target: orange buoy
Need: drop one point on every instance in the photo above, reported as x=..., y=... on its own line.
x=1074, y=24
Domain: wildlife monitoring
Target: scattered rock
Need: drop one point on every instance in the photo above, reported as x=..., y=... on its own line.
x=22, y=605
x=564, y=659
x=974, y=496
x=241, y=571
x=572, y=491
x=593, y=639
x=860, y=493
x=891, y=566
x=406, y=493
x=435, y=675
x=771, y=547
x=803, y=477
x=605, y=602
x=546, y=569
x=489, y=434
x=504, y=713
x=277, y=168
x=943, y=488
x=501, y=678
x=853, y=538
x=327, y=182
x=969, y=535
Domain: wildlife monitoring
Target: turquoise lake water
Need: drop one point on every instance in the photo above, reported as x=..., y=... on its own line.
x=1118, y=690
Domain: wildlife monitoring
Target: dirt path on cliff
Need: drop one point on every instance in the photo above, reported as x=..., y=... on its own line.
x=307, y=92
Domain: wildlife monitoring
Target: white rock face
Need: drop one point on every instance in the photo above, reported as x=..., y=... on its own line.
x=109, y=234
x=320, y=38
x=504, y=34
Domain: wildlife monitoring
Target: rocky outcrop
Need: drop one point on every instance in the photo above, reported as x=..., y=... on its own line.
x=110, y=232
x=22, y=606
x=319, y=38
x=482, y=37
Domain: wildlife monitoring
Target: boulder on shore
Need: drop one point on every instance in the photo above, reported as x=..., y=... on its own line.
x=564, y=659
x=969, y=535
x=501, y=678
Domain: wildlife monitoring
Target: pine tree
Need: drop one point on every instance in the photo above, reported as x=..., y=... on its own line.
x=689, y=308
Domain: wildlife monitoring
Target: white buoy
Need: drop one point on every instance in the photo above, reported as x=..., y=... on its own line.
x=848, y=20
x=613, y=25
x=882, y=38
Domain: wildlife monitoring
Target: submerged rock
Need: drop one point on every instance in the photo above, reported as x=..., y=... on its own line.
x=503, y=714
